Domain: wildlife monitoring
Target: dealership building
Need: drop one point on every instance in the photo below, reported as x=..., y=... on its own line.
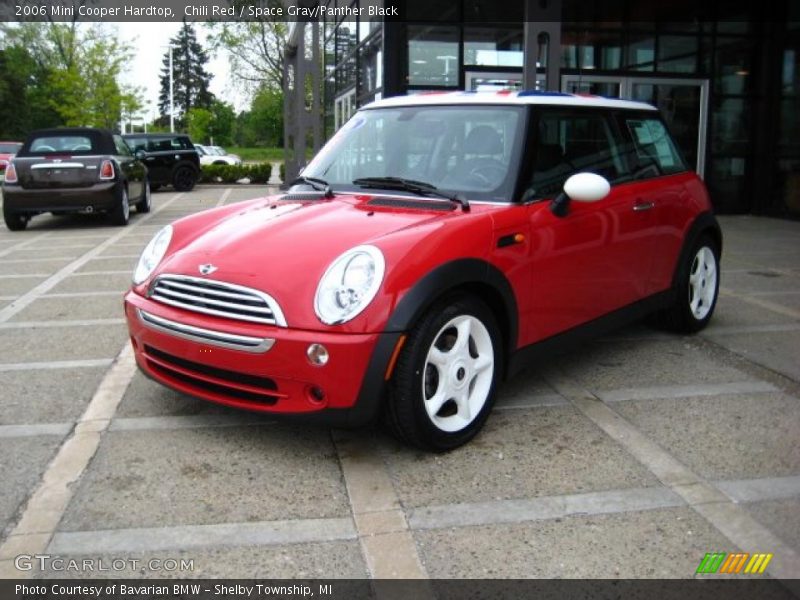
x=724, y=73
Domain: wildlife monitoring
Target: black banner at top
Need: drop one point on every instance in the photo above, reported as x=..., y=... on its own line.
x=466, y=11
x=194, y=10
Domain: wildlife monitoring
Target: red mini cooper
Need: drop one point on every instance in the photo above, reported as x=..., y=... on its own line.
x=434, y=247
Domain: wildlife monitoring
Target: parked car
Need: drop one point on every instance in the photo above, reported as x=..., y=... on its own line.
x=7, y=152
x=171, y=159
x=214, y=155
x=74, y=170
x=435, y=246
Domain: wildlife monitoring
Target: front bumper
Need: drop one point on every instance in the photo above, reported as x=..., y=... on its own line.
x=278, y=380
x=100, y=196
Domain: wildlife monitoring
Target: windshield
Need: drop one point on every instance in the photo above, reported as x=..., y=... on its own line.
x=9, y=148
x=472, y=150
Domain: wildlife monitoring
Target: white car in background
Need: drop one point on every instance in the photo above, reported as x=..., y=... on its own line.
x=214, y=155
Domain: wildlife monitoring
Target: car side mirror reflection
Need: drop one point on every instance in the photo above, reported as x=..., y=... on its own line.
x=581, y=187
x=140, y=154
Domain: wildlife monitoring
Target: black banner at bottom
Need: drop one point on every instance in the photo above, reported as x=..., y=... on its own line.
x=353, y=589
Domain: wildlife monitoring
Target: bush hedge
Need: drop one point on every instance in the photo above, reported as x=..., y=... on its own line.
x=258, y=173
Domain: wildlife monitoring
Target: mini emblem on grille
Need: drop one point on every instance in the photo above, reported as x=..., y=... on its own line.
x=207, y=269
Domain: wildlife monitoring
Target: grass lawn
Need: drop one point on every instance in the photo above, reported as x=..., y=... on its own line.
x=257, y=154
x=261, y=154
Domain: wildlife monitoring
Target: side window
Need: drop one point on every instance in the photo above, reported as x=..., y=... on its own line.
x=653, y=152
x=574, y=142
x=136, y=143
x=181, y=143
x=160, y=145
x=121, y=146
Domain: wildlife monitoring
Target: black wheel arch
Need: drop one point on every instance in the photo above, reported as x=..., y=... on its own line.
x=471, y=275
x=705, y=224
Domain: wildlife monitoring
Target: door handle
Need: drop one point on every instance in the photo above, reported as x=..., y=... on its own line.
x=641, y=205
x=150, y=158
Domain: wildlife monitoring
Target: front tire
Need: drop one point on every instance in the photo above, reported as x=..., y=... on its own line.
x=696, y=289
x=15, y=221
x=144, y=205
x=121, y=212
x=444, y=384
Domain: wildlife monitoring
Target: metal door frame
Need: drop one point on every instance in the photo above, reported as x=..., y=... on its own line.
x=626, y=84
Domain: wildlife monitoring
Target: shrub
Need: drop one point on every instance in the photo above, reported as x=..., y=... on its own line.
x=257, y=173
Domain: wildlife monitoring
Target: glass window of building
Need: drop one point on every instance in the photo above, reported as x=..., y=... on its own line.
x=678, y=53
x=586, y=49
x=433, y=55
x=641, y=51
x=493, y=46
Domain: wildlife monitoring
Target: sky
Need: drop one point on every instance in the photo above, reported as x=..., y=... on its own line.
x=149, y=41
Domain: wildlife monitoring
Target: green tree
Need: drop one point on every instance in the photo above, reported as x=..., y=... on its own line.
x=262, y=125
x=190, y=79
x=256, y=49
x=74, y=70
x=23, y=86
x=222, y=123
x=198, y=124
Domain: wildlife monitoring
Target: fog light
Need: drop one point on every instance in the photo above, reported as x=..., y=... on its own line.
x=317, y=354
x=317, y=395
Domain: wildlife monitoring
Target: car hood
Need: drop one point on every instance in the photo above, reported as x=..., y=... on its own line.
x=283, y=247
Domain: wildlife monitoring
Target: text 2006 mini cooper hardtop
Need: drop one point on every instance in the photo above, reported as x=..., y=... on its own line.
x=435, y=246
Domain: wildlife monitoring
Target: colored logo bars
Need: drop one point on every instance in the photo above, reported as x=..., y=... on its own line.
x=721, y=562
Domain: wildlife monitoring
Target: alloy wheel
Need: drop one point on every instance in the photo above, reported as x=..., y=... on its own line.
x=458, y=373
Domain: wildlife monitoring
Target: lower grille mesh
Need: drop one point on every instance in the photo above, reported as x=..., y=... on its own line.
x=162, y=361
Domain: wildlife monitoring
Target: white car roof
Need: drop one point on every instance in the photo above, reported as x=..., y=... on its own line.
x=508, y=97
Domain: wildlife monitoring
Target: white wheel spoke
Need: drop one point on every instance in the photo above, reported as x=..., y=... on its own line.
x=481, y=363
x=434, y=404
x=464, y=330
x=438, y=358
x=464, y=409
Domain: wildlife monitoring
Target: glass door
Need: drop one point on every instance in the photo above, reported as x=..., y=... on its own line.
x=597, y=85
x=683, y=104
x=481, y=81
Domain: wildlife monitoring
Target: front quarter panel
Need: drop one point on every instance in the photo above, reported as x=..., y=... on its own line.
x=411, y=255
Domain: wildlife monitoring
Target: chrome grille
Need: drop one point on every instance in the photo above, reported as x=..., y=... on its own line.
x=217, y=298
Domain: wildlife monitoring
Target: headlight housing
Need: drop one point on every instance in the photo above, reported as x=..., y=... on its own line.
x=349, y=285
x=152, y=255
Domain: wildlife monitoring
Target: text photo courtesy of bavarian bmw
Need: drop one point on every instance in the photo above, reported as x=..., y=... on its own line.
x=435, y=246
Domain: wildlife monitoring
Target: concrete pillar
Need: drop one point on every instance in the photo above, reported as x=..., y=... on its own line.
x=542, y=43
x=302, y=122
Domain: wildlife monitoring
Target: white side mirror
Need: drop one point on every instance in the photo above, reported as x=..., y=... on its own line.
x=587, y=187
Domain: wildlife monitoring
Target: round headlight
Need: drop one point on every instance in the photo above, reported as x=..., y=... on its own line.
x=152, y=255
x=349, y=285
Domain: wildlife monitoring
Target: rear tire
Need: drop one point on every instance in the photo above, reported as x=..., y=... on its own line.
x=184, y=178
x=120, y=214
x=15, y=221
x=696, y=289
x=443, y=387
x=144, y=205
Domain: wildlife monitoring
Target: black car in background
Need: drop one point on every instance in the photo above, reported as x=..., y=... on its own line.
x=171, y=159
x=74, y=170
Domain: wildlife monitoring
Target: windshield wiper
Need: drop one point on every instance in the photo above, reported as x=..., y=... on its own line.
x=315, y=182
x=420, y=188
